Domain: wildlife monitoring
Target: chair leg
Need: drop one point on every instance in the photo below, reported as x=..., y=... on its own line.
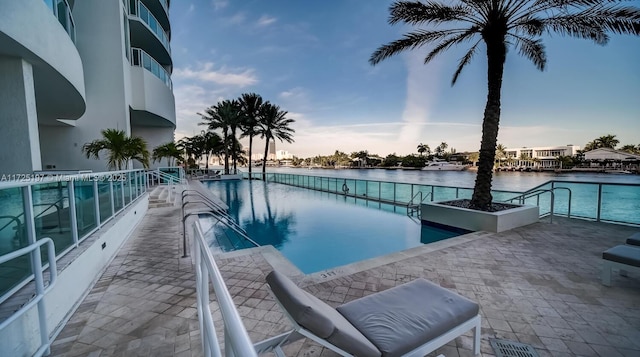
x=476, y=339
x=606, y=274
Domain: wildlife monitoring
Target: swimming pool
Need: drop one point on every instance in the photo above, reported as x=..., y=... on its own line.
x=316, y=230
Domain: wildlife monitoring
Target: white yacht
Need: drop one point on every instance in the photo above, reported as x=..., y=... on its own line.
x=443, y=166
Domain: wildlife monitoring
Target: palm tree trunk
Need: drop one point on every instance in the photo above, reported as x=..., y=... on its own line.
x=264, y=161
x=496, y=53
x=250, y=147
x=226, y=153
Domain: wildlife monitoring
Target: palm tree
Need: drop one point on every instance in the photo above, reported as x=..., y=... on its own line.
x=607, y=141
x=500, y=24
x=630, y=149
x=422, y=148
x=591, y=145
x=500, y=154
x=169, y=151
x=223, y=116
x=212, y=144
x=273, y=125
x=250, y=104
x=120, y=147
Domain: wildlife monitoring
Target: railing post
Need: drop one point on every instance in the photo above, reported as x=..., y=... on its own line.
x=599, y=202
x=112, y=197
x=553, y=198
x=73, y=219
x=432, y=193
x=36, y=264
x=96, y=202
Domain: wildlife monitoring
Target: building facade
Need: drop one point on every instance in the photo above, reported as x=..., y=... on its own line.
x=544, y=157
x=70, y=69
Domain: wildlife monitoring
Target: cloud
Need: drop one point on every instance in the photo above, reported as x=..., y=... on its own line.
x=266, y=20
x=236, y=19
x=220, y=4
x=205, y=72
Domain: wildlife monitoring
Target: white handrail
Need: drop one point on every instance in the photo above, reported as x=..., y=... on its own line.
x=41, y=291
x=237, y=341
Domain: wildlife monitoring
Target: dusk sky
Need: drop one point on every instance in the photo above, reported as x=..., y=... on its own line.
x=311, y=59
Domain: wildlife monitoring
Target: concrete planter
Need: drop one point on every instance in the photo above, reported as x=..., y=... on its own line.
x=479, y=220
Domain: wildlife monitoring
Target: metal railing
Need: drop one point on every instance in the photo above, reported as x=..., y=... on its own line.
x=599, y=201
x=236, y=338
x=37, y=269
x=537, y=193
x=216, y=211
x=394, y=193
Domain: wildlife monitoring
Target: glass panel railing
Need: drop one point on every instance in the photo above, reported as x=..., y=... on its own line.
x=62, y=11
x=118, y=199
x=85, y=200
x=620, y=203
x=51, y=206
x=165, y=5
x=52, y=214
x=140, y=58
x=104, y=200
x=13, y=236
x=147, y=17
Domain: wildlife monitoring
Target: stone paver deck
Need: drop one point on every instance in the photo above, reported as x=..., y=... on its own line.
x=538, y=284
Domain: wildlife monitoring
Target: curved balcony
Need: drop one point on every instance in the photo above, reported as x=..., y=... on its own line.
x=148, y=33
x=31, y=29
x=160, y=9
x=152, y=101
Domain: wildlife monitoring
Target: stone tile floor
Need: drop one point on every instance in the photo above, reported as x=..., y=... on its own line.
x=538, y=284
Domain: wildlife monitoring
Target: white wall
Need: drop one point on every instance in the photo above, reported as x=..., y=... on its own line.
x=149, y=93
x=18, y=117
x=155, y=136
x=100, y=43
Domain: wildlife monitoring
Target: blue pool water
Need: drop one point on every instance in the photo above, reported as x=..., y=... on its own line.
x=316, y=230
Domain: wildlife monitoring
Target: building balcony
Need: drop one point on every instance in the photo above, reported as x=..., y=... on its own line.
x=43, y=33
x=147, y=33
x=160, y=10
x=152, y=102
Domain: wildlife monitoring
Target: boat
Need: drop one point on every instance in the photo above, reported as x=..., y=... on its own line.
x=617, y=171
x=443, y=166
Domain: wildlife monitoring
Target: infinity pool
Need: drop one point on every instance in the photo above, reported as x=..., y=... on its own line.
x=316, y=230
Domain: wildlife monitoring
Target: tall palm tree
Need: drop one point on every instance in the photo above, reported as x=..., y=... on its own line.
x=274, y=124
x=223, y=116
x=120, y=147
x=169, y=151
x=250, y=104
x=422, y=148
x=499, y=24
x=212, y=144
x=607, y=141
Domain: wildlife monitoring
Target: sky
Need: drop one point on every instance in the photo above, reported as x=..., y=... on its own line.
x=311, y=59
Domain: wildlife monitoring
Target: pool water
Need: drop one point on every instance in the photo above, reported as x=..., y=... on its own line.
x=315, y=230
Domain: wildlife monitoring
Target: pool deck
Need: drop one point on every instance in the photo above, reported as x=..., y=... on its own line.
x=538, y=284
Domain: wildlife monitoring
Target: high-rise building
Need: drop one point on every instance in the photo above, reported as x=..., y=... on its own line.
x=272, y=150
x=69, y=69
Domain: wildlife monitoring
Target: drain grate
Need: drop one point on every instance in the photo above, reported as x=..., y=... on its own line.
x=506, y=348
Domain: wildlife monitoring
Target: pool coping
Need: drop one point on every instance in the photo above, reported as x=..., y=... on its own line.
x=280, y=263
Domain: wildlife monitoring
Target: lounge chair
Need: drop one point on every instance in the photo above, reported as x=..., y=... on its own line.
x=622, y=257
x=634, y=239
x=413, y=319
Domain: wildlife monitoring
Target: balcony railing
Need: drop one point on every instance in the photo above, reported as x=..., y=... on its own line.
x=137, y=8
x=140, y=58
x=62, y=11
x=165, y=5
x=65, y=208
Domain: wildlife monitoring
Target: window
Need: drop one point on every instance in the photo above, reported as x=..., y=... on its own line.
x=127, y=44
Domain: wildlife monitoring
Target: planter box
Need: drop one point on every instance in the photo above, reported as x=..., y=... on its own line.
x=479, y=220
